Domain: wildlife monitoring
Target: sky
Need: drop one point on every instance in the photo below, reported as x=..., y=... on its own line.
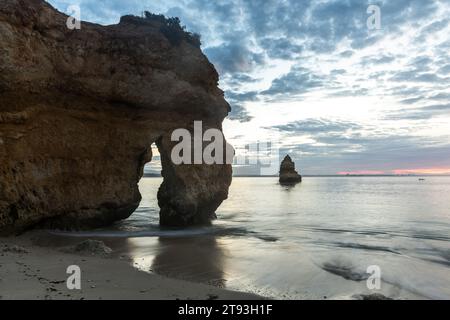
x=314, y=80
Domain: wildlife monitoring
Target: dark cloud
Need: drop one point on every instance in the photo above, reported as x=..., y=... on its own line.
x=274, y=17
x=412, y=100
x=423, y=113
x=401, y=156
x=396, y=13
x=234, y=57
x=347, y=53
x=445, y=70
x=421, y=62
x=239, y=113
x=237, y=101
x=352, y=92
x=242, y=96
x=337, y=72
x=377, y=60
x=333, y=21
x=414, y=76
x=281, y=48
x=406, y=91
x=344, y=150
x=298, y=81
x=315, y=126
x=441, y=96
x=242, y=77
x=432, y=28
x=445, y=44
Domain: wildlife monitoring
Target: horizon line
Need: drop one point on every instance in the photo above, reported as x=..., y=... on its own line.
x=157, y=175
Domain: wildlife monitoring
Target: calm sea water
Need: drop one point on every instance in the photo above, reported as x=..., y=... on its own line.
x=312, y=241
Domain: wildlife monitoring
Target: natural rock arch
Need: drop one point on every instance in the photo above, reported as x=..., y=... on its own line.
x=79, y=110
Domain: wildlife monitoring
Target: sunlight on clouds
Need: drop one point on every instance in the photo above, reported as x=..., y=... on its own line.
x=294, y=61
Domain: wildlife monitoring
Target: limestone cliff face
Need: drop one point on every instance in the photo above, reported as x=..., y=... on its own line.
x=288, y=174
x=79, y=110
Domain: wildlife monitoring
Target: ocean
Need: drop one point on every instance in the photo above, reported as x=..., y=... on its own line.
x=317, y=240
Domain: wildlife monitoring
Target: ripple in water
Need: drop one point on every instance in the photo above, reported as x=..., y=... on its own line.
x=310, y=241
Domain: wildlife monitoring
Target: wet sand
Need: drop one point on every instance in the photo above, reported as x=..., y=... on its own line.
x=234, y=264
x=29, y=271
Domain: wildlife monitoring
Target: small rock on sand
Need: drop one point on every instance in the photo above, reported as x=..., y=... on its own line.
x=374, y=296
x=14, y=249
x=91, y=247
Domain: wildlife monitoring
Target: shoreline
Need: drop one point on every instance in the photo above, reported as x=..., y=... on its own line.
x=30, y=272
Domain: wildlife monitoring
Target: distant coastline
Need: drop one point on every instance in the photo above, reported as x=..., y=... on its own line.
x=156, y=175
x=348, y=176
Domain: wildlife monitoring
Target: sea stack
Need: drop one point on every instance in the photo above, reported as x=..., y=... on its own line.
x=288, y=175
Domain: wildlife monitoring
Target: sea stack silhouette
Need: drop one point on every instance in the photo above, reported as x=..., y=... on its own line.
x=288, y=174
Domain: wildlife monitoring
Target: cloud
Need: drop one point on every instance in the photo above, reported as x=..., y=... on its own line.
x=445, y=70
x=347, y=53
x=421, y=61
x=422, y=113
x=272, y=52
x=237, y=101
x=441, y=96
x=352, y=92
x=298, y=81
x=281, y=48
x=239, y=113
x=432, y=28
x=314, y=126
x=332, y=153
x=414, y=76
x=377, y=60
x=242, y=96
x=438, y=96
x=412, y=100
x=234, y=58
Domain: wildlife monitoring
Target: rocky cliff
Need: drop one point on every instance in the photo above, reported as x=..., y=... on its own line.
x=80, y=109
x=288, y=174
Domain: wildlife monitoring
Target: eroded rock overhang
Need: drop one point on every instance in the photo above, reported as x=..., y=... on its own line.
x=80, y=109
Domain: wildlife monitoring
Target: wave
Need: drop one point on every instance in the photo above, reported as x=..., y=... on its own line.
x=364, y=247
x=168, y=233
x=414, y=234
x=344, y=269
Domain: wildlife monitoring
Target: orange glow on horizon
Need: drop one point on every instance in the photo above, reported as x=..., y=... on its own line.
x=425, y=171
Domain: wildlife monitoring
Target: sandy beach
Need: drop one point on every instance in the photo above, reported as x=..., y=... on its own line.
x=29, y=272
